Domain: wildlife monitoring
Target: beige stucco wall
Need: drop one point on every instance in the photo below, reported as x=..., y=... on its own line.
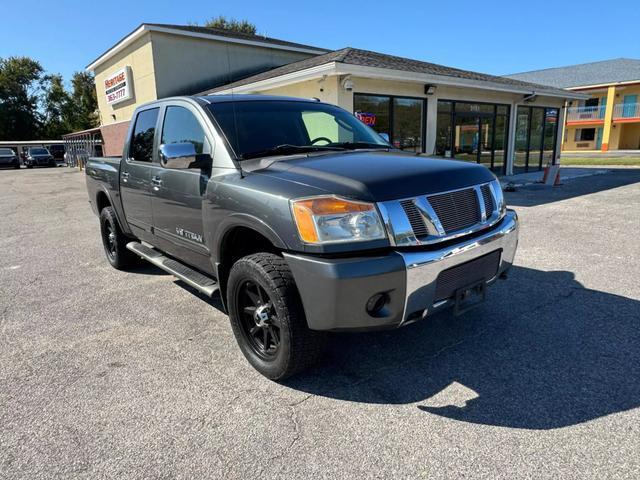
x=188, y=65
x=138, y=56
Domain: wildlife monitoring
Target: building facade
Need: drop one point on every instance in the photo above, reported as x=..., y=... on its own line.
x=609, y=119
x=508, y=125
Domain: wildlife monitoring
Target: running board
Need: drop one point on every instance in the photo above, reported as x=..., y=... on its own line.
x=188, y=275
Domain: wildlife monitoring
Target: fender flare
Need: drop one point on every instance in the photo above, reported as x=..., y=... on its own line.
x=102, y=189
x=243, y=220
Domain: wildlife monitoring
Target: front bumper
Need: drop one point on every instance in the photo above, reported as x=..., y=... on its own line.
x=335, y=292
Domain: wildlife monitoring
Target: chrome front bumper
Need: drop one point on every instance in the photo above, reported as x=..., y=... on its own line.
x=423, y=268
x=335, y=291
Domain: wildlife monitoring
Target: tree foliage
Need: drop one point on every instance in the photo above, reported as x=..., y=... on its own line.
x=224, y=23
x=35, y=105
x=84, y=101
x=20, y=80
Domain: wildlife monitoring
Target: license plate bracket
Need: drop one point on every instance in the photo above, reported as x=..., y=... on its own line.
x=469, y=297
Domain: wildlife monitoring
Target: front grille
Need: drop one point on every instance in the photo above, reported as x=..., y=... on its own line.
x=481, y=268
x=487, y=198
x=415, y=219
x=456, y=210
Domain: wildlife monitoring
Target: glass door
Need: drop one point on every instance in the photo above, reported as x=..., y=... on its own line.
x=466, y=137
x=486, y=140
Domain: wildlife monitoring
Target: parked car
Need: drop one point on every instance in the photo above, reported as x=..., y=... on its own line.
x=8, y=158
x=303, y=218
x=39, y=157
x=57, y=151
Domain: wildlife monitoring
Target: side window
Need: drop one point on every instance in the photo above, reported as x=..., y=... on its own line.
x=180, y=126
x=141, y=148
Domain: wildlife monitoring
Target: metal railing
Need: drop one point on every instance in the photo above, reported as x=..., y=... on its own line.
x=626, y=110
x=576, y=114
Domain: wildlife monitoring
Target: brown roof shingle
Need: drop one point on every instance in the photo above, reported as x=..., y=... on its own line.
x=366, y=58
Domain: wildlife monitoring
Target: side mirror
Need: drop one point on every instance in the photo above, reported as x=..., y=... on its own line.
x=384, y=136
x=181, y=156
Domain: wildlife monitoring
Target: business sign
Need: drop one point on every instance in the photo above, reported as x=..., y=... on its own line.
x=118, y=87
x=366, y=118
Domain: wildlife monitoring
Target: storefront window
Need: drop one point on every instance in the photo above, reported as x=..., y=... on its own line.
x=401, y=119
x=407, y=124
x=536, y=132
x=373, y=111
x=476, y=132
x=443, y=130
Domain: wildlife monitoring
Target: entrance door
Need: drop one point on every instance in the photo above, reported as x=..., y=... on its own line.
x=135, y=172
x=599, y=139
x=467, y=137
x=486, y=141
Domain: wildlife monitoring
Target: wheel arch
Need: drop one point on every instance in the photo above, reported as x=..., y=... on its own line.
x=238, y=238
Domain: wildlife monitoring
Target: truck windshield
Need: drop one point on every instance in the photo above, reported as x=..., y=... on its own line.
x=278, y=127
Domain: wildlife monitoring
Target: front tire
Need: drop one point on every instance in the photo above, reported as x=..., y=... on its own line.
x=267, y=317
x=115, y=242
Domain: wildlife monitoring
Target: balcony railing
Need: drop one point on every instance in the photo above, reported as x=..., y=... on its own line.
x=577, y=114
x=626, y=110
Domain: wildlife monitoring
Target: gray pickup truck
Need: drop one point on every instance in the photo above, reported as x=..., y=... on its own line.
x=303, y=218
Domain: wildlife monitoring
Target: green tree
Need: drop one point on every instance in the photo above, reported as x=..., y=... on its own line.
x=57, y=109
x=20, y=83
x=84, y=102
x=222, y=22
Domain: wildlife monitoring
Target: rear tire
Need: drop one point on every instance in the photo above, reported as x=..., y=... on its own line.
x=262, y=295
x=115, y=242
x=29, y=166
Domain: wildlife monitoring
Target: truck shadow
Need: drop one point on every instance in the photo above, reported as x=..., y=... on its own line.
x=544, y=352
x=537, y=194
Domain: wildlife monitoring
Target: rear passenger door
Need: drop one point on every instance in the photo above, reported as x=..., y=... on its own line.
x=135, y=173
x=178, y=194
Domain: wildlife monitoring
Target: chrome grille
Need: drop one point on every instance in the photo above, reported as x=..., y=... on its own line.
x=487, y=198
x=415, y=218
x=456, y=210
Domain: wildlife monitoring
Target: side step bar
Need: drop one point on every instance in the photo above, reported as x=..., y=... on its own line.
x=188, y=275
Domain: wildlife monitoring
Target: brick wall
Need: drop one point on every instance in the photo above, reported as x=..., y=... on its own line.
x=113, y=137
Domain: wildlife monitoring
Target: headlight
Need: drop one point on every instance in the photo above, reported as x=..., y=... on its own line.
x=333, y=219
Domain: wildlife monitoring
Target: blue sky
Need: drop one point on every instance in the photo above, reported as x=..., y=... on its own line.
x=496, y=37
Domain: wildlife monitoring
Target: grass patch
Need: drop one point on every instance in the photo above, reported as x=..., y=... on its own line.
x=565, y=161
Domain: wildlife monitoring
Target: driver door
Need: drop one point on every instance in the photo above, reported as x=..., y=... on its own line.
x=178, y=194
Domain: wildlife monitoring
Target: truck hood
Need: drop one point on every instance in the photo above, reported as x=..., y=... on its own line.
x=374, y=176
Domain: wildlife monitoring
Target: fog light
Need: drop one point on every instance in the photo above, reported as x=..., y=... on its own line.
x=376, y=303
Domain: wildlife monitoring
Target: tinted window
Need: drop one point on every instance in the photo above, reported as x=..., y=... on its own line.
x=180, y=126
x=142, y=142
x=6, y=151
x=38, y=151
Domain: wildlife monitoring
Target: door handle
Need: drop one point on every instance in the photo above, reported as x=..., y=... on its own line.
x=156, y=181
x=125, y=176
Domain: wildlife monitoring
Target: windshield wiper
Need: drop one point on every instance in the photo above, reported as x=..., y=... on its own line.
x=286, y=148
x=356, y=145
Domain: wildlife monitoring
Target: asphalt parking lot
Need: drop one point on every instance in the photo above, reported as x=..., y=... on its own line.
x=105, y=374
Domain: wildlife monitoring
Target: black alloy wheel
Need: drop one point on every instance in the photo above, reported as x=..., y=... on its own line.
x=260, y=322
x=267, y=317
x=115, y=242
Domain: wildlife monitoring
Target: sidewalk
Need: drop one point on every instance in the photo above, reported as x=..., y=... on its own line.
x=566, y=173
